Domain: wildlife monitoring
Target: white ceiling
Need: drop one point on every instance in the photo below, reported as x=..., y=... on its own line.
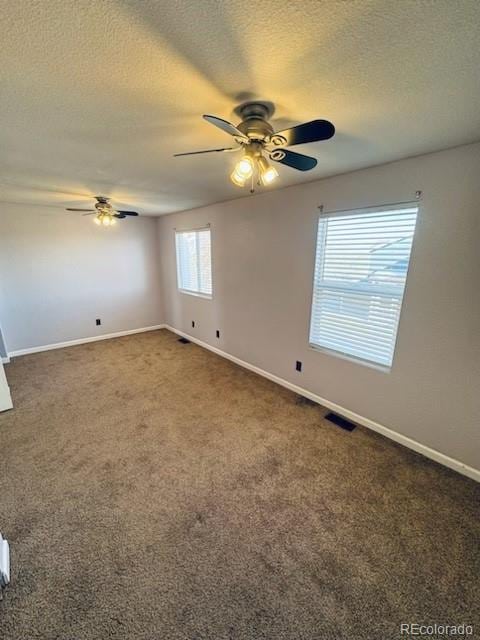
x=96, y=95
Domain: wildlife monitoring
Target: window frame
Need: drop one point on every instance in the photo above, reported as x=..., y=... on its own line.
x=345, y=212
x=189, y=292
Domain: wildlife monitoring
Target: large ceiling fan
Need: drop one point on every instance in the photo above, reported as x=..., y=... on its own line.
x=105, y=213
x=256, y=138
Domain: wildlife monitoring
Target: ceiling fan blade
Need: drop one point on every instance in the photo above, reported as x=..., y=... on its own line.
x=88, y=214
x=194, y=153
x=92, y=210
x=307, y=132
x=228, y=127
x=127, y=213
x=119, y=215
x=292, y=159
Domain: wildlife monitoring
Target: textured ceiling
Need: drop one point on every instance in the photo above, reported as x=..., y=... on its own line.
x=96, y=95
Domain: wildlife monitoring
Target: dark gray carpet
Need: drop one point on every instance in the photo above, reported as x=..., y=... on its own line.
x=152, y=490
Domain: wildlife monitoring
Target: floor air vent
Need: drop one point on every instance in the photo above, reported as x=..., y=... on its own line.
x=343, y=423
x=184, y=340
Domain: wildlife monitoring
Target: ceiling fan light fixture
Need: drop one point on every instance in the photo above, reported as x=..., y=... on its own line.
x=105, y=214
x=256, y=136
x=243, y=171
x=245, y=167
x=106, y=220
x=267, y=173
x=269, y=176
x=237, y=179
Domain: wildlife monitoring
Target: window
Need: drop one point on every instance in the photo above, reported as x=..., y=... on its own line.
x=360, y=273
x=194, y=262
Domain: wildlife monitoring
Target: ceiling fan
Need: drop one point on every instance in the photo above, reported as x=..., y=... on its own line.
x=256, y=137
x=105, y=213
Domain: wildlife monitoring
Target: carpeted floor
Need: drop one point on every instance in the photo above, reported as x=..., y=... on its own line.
x=154, y=491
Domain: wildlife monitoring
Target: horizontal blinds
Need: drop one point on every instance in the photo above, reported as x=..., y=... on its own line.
x=194, y=264
x=360, y=273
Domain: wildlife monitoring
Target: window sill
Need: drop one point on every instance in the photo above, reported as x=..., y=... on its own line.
x=343, y=356
x=196, y=294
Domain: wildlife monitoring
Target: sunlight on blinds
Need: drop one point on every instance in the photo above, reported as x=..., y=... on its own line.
x=360, y=274
x=194, y=263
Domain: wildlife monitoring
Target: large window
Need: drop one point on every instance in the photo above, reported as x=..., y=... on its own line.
x=360, y=273
x=194, y=262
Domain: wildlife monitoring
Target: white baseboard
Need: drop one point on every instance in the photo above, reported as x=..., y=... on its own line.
x=452, y=463
x=72, y=343
x=4, y=563
x=5, y=359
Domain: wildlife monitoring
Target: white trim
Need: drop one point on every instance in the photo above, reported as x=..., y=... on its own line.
x=205, y=296
x=344, y=356
x=72, y=343
x=433, y=454
x=5, y=396
x=5, y=359
x=4, y=563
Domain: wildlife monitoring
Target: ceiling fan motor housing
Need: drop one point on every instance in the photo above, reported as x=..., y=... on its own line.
x=102, y=203
x=254, y=121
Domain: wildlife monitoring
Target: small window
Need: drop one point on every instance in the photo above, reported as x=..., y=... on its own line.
x=194, y=262
x=361, y=269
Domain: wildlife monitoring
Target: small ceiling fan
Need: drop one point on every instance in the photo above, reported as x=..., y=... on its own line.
x=256, y=137
x=106, y=215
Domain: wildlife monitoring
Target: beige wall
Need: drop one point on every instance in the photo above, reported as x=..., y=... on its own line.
x=263, y=256
x=59, y=272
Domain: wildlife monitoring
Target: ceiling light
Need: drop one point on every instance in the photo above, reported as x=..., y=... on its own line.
x=236, y=179
x=269, y=176
x=267, y=172
x=105, y=218
x=243, y=170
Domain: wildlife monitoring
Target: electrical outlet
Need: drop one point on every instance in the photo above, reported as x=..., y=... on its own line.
x=193, y=323
x=98, y=322
x=217, y=333
x=298, y=365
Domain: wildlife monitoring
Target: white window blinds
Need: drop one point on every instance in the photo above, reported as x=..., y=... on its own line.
x=194, y=262
x=360, y=273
